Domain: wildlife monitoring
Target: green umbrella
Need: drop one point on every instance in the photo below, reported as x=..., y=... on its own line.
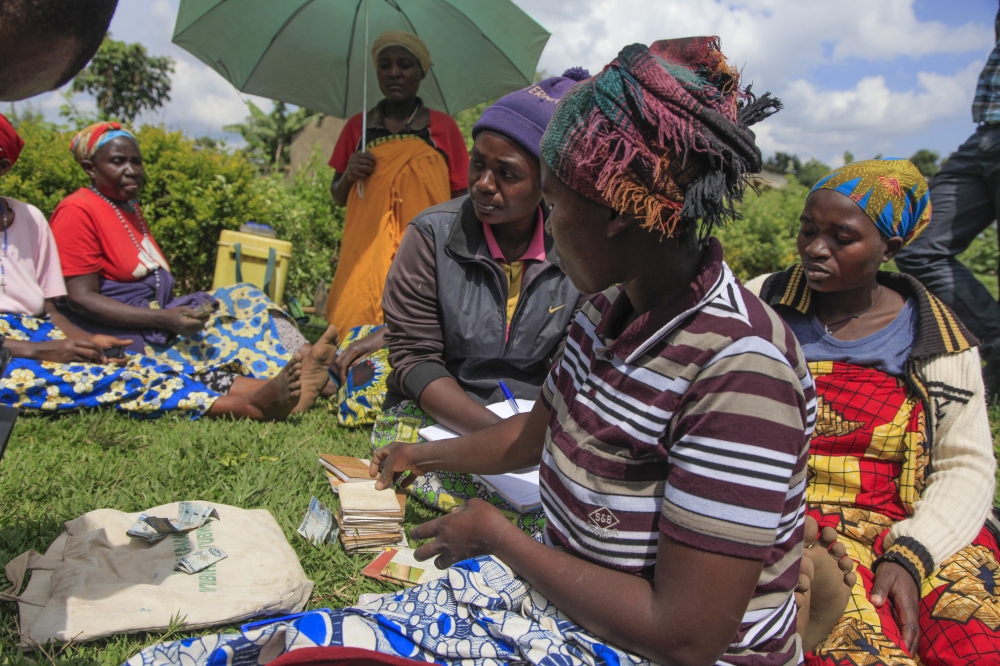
x=314, y=53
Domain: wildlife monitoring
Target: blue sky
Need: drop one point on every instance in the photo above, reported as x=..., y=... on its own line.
x=868, y=76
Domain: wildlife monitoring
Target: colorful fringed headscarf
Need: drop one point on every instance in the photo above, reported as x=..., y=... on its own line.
x=90, y=139
x=892, y=192
x=661, y=133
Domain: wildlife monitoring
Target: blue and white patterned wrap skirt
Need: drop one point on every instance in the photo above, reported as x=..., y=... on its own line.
x=479, y=614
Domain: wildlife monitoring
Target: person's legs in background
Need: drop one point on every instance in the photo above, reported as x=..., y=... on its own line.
x=965, y=196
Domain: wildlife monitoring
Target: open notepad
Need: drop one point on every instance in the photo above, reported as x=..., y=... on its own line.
x=519, y=488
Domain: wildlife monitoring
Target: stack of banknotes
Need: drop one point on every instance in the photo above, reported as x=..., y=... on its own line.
x=370, y=519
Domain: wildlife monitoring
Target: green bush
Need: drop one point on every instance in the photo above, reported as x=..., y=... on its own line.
x=983, y=255
x=763, y=241
x=192, y=193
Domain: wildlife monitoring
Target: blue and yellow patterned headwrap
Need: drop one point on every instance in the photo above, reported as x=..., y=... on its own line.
x=891, y=192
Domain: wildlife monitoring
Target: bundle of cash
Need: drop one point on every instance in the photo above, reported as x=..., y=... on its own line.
x=200, y=560
x=370, y=519
x=317, y=525
x=190, y=516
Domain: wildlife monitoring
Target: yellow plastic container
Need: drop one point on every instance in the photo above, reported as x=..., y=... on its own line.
x=259, y=260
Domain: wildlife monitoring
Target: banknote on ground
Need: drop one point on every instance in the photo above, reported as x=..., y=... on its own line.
x=200, y=560
x=317, y=525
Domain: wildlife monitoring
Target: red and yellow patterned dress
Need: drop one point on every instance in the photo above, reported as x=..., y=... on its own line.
x=867, y=467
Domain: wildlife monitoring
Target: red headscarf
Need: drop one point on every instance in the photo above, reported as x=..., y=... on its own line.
x=10, y=143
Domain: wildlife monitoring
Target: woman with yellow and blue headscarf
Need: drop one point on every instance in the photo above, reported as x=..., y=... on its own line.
x=901, y=462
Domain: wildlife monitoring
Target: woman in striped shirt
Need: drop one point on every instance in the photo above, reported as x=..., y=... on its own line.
x=672, y=436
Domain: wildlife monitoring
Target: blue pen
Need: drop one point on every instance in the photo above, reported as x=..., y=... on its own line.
x=510, y=397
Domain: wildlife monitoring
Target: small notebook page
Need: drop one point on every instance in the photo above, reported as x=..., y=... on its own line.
x=362, y=497
x=502, y=409
x=518, y=488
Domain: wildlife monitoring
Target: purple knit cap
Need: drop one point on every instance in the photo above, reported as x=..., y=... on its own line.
x=523, y=115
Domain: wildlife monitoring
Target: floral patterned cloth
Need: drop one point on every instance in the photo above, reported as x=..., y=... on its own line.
x=242, y=337
x=359, y=400
x=144, y=387
x=446, y=490
x=480, y=614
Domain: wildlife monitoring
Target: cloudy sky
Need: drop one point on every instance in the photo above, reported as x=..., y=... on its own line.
x=868, y=76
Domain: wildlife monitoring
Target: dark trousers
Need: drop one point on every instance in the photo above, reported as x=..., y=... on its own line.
x=965, y=196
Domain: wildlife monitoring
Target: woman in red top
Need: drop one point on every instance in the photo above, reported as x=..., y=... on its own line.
x=118, y=279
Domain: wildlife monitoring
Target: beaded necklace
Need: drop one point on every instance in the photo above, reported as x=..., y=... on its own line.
x=134, y=209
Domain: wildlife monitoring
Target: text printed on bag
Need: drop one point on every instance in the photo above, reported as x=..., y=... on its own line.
x=182, y=546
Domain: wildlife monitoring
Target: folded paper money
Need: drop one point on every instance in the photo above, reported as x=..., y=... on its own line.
x=200, y=560
x=317, y=525
x=190, y=516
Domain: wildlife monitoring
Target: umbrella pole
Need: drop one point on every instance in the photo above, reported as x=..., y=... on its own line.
x=364, y=103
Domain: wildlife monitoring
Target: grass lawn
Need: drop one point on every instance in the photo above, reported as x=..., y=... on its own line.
x=59, y=468
x=56, y=469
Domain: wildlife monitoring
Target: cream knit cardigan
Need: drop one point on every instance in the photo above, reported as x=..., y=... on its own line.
x=959, y=492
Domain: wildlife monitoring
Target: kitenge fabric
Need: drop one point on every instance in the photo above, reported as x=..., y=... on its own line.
x=661, y=133
x=359, y=400
x=143, y=387
x=241, y=337
x=959, y=612
x=867, y=468
x=480, y=614
x=445, y=490
x=89, y=140
x=892, y=192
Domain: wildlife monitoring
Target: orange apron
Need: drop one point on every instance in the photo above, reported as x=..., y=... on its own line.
x=409, y=177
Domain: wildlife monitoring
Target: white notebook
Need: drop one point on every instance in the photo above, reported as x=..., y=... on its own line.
x=519, y=488
x=502, y=409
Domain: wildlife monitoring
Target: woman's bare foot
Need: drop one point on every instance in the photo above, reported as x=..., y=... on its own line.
x=825, y=582
x=315, y=369
x=273, y=401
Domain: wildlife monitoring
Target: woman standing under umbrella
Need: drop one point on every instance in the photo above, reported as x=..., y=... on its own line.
x=411, y=158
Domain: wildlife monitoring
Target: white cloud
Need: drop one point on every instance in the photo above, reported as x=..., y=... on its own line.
x=777, y=43
x=775, y=39
x=867, y=118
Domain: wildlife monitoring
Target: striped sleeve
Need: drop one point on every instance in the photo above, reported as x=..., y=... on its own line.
x=738, y=453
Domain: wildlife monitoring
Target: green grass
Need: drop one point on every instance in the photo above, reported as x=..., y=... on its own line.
x=57, y=469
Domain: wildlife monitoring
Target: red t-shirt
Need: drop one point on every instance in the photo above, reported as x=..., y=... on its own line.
x=444, y=133
x=91, y=239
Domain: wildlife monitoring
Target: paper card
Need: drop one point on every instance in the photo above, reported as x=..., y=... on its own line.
x=346, y=468
x=403, y=567
x=361, y=497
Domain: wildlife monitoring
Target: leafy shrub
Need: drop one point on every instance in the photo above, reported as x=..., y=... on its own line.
x=983, y=255
x=46, y=171
x=763, y=241
x=193, y=191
